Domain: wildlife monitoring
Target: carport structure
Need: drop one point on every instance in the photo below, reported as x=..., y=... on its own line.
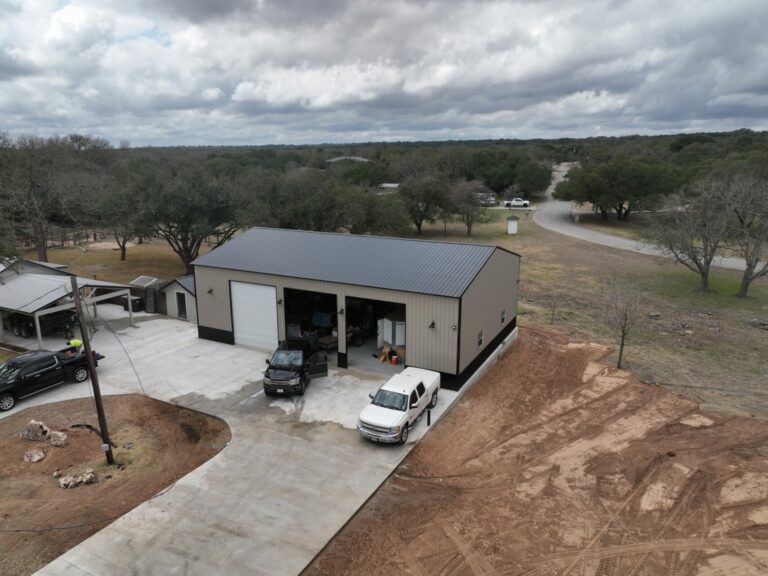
x=37, y=294
x=444, y=305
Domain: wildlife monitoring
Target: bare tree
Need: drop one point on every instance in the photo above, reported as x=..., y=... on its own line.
x=750, y=235
x=623, y=307
x=695, y=225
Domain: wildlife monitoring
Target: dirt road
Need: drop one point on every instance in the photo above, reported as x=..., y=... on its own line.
x=555, y=464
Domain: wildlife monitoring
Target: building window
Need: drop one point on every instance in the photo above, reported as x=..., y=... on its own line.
x=503, y=316
x=480, y=340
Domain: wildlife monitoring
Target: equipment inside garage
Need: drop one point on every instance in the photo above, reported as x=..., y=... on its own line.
x=312, y=316
x=375, y=329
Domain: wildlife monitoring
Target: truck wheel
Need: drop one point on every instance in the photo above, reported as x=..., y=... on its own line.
x=433, y=401
x=80, y=374
x=302, y=387
x=25, y=333
x=404, y=435
x=7, y=401
x=15, y=330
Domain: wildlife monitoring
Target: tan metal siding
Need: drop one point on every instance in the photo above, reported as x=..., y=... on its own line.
x=494, y=289
x=171, y=305
x=430, y=348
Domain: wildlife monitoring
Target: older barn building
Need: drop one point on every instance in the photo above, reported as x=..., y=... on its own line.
x=442, y=306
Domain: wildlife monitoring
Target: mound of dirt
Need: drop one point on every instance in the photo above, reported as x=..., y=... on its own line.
x=557, y=464
x=155, y=443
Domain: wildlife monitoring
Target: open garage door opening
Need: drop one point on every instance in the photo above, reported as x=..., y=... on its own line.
x=312, y=316
x=375, y=334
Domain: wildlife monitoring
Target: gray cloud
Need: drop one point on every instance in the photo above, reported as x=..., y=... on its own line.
x=242, y=71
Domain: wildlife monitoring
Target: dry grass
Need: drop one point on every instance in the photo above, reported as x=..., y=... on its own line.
x=631, y=230
x=150, y=259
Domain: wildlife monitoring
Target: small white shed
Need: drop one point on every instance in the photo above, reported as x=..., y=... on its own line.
x=512, y=225
x=180, y=298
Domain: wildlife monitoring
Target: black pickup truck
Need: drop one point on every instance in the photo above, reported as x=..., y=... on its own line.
x=292, y=365
x=33, y=372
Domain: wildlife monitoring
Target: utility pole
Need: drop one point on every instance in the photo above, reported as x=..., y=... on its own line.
x=106, y=445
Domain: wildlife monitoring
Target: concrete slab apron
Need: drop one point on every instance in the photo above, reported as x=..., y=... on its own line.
x=289, y=480
x=265, y=505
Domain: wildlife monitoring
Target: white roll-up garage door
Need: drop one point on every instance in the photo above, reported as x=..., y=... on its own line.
x=254, y=314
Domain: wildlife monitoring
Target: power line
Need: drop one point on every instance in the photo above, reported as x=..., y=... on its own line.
x=125, y=350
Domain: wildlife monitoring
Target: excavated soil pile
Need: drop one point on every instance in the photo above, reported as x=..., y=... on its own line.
x=556, y=464
x=155, y=444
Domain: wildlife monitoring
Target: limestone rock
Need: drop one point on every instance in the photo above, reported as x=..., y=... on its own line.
x=68, y=481
x=57, y=473
x=35, y=431
x=58, y=438
x=34, y=455
x=89, y=477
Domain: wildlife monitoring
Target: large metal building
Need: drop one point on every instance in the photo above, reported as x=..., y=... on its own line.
x=444, y=306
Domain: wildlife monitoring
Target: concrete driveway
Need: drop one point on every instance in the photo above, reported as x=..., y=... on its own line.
x=293, y=474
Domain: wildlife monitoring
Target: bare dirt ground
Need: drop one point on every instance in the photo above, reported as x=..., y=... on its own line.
x=557, y=464
x=36, y=515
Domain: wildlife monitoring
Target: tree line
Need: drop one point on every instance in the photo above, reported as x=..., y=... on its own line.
x=189, y=197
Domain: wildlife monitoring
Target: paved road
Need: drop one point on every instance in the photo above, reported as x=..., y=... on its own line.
x=556, y=215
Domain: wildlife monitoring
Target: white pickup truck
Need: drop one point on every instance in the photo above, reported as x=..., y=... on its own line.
x=397, y=405
x=516, y=203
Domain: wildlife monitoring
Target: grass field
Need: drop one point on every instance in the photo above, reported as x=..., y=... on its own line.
x=150, y=259
x=632, y=229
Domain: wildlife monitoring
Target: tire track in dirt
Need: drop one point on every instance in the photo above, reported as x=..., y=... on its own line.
x=690, y=490
x=649, y=475
x=479, y=565
x=671, y=545
x=572, y=427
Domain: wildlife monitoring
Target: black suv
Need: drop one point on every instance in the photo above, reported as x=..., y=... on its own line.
x=24, y=325
x=33, y=372
x=292, y=365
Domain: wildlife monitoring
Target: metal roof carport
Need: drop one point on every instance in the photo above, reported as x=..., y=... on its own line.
x=33, y=294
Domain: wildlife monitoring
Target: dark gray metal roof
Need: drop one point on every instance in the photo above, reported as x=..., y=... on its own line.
x=438, y=268
x=188, y=283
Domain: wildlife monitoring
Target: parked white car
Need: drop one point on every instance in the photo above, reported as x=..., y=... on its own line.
x=398, y=404
x=516, y=203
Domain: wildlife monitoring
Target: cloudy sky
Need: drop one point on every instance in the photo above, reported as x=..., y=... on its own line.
x=307, y=71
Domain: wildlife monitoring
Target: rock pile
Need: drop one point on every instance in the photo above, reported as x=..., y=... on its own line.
x=71, y=481
x=37, y=432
